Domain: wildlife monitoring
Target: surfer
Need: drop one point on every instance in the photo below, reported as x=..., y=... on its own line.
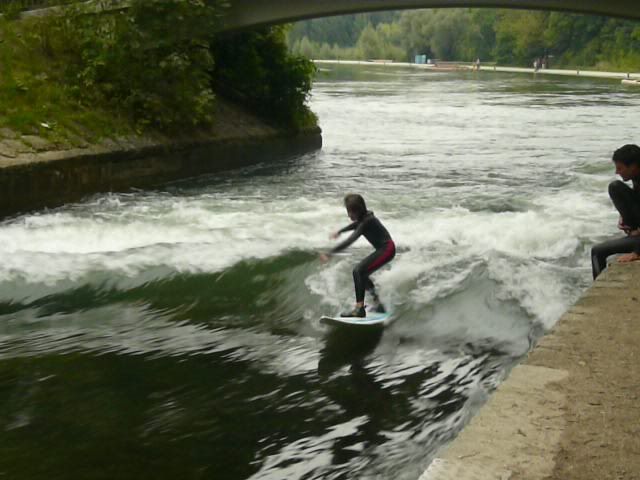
x=364, y=224
x=627, y=201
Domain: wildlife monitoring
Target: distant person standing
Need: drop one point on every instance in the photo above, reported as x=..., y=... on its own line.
x=626, y=199
x=477, y=64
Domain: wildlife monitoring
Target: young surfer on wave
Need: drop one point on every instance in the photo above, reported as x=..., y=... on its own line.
x=364, y=224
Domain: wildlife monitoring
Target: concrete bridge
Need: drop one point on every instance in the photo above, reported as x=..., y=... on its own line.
x=244, y=14
x=250, y=13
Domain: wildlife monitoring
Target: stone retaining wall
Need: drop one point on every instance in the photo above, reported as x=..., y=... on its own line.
x=54, y=178
x=35, y=174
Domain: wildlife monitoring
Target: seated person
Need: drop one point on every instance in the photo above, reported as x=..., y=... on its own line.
x=626, y=199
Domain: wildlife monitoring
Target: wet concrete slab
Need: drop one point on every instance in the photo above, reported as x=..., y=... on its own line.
x=571, y=410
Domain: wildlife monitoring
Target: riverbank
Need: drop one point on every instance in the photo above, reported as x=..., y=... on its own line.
x=570, y=410
x=36, y=173
x=565, y=72
x=104, y=103
x=488, y=68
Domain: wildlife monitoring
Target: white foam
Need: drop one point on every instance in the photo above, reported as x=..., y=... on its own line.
x=435, y=192
x=195, y=235
x=209, y=233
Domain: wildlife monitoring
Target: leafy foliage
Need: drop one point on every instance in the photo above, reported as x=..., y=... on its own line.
x=505, y=36
x=341, y=31
x=35, y=94
x=152, y=64
x=152, y=60
x=256, y=69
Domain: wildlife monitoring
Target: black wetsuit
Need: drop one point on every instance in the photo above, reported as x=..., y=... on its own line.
x=627, y=202
x=378, y=236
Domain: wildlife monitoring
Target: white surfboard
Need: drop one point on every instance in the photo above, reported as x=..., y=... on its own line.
x=371, y=320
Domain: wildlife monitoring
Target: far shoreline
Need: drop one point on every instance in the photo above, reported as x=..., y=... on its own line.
x=460, y=66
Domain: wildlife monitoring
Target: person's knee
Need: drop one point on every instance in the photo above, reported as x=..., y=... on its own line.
x=595, y=252
x=598, y=250
x=616, y=188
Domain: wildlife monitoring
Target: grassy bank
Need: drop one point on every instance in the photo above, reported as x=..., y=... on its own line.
x=154, y=68
x=37, y=98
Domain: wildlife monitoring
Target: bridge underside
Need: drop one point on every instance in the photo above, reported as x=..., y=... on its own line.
x=251, y=13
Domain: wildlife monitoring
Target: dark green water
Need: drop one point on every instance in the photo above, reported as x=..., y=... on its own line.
x=174, y=333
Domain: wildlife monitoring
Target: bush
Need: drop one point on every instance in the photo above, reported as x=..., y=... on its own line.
x=256, y=69
x=150, y=65
x=152, y=60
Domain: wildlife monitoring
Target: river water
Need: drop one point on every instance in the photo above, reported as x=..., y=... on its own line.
x=174, y=333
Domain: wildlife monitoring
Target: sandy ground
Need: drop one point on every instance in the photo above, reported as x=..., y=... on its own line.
x=571, y=409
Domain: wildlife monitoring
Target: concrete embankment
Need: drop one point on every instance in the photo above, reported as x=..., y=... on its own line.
x=35, y=173
x=489, y=68
x=571, y=409
x=565, y=72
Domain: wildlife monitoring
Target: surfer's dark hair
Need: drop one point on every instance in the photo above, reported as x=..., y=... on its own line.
x=354, y=203
x=627, y=154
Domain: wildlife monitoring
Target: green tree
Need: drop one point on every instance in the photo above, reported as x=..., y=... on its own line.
x=256, y=69
x=369, y=44
x=510, y=37
x=483, y=40
x=151, y=60
x=451, y=27
x=343, y=30
x=445, y=34
x=520, y=36
x=417, y=32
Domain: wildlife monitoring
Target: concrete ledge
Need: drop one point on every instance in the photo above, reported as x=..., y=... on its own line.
x=517, y=431
x=55, y=178
x=571, y=410
x=34, y=178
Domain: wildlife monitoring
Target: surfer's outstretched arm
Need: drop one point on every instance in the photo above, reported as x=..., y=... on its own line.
x=351, y=226
x=348, y=241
